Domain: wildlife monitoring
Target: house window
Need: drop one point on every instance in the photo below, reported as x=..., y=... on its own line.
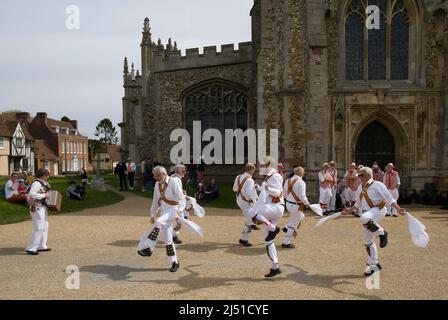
x=25, y=164
x=2, y=143
x=63, y=147
x=19, y=142
x=47, y=164
x=377, y=54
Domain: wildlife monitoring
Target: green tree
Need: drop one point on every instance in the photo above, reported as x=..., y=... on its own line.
x=65, y=118
x=95, y=146
x=106, y=132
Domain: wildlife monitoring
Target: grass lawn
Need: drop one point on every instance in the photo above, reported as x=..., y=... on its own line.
x=226, y=199
x=11, y=213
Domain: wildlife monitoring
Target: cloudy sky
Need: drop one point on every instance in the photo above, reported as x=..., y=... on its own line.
x=44, y=66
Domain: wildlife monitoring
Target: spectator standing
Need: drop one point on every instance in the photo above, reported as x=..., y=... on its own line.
x=131, y=168
x=201, y=171
x=147, y=167
x=121, y=172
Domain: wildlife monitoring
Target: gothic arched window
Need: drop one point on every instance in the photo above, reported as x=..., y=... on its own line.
x=217, y=105
x=377, y=54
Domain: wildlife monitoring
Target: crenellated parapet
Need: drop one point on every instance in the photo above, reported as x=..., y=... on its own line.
x=170, y=59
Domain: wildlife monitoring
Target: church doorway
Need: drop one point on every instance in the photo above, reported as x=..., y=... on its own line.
x=375, y=143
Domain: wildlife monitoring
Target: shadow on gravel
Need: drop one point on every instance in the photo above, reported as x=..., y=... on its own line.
x=124, y=243
x=116, y=272
x=194, y=281
x=16, y=251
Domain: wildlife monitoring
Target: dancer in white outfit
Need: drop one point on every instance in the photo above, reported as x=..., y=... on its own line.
x=371, y=199
x=169, y=202
x=294, y=191
x=269, y=210
x=246, y=196
x=36, y=198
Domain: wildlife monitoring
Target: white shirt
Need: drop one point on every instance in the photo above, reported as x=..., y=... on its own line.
x=132, y=166
x=11, y=189
x=275, y=184
x=377, y=192
x=299, y=188
x=173, y=192
x=248, y=191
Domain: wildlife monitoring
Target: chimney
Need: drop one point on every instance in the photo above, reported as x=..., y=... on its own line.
x=42, y=117
x=23, y=117
x=74, y=123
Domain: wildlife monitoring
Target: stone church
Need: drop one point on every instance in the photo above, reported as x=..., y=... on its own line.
x=334, y=89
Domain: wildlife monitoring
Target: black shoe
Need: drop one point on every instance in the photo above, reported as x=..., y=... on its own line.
x=245, y=243
x=326, y=213
x=145, y=252
x=174, y=267
x=44, y=250
x=33, y=253
x=176, y=240
x=383, y=239
x=285, y=230
x=254, y=227
x=288, y=246
x=272, y=234
x=372, y=269
x=273, y=273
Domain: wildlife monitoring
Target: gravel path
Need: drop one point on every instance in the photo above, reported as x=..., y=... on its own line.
x=327, y=263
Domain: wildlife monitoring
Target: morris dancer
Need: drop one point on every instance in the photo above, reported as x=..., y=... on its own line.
x=169, y=201
x=246, y=195
x=371, y=199
x=325, y=180
x=378, y=174
x=392, y=182
x=294, y=190
x=351, y=185
x=334, y=185
x=268, y=210
x=190, y=205
x=37, y=199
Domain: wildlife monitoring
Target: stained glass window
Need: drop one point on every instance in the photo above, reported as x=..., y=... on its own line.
x=400, y=43
x=354, y=48
x=377, y=52
x=368, y=52
x=217, y=106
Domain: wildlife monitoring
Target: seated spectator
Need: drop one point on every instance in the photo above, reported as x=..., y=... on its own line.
x=12, y=190
x=73, y=192
x=212, y=191
x=22, y=187
x=200, y=193
x=29, y=179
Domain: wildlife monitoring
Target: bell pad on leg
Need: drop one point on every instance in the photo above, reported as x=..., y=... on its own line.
x=371, y=226
x=154, y=234
x=170, y=250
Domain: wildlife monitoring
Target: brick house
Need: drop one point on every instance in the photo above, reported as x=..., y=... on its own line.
x=58, y=138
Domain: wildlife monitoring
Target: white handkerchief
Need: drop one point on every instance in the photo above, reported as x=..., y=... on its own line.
x=417, y=230
x=316, y=209
x=191, y=226
x=331, y=217
x=197, y=209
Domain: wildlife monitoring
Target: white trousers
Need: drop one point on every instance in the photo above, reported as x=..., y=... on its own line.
x=350, y=196
x=395, y=194
x=247, y=224
x=40, y=232
x=297, y=217
x=376, y=215
x=324, y=198
x=163, y=229
x=269, y=214
x=333, y=198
